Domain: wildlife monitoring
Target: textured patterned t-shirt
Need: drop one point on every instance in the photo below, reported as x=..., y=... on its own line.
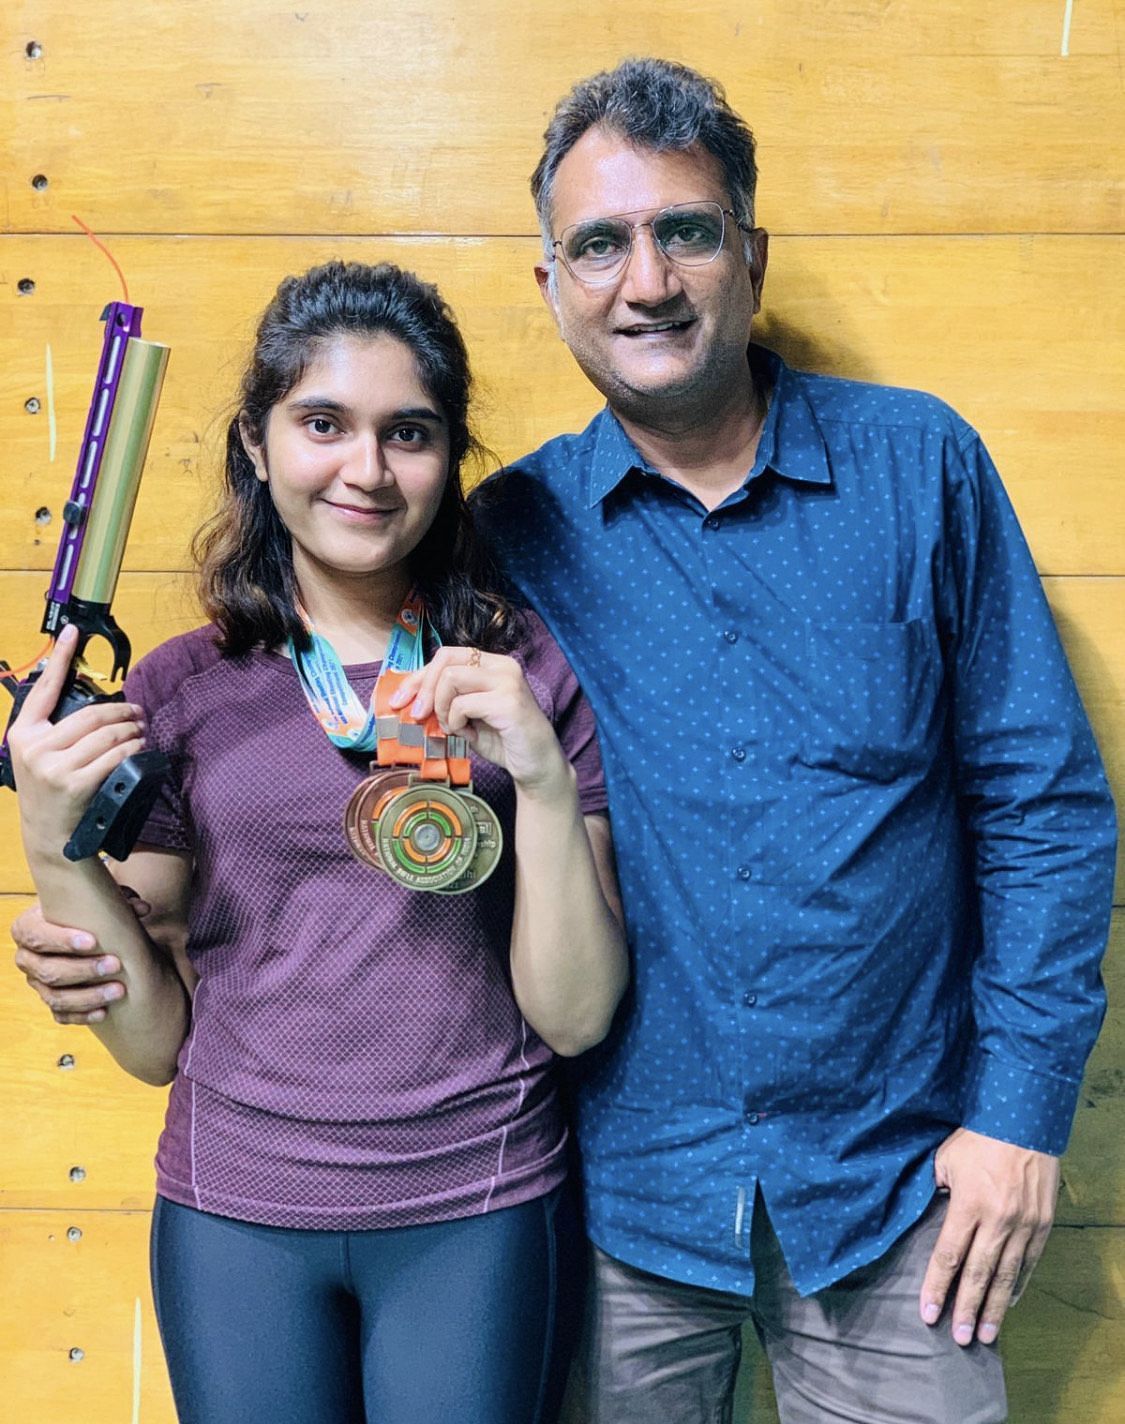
x=356, y=1058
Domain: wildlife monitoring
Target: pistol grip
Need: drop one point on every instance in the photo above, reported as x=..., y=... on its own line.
x=117, y=814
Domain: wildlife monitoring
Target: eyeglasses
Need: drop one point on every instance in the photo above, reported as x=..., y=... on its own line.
x=689, y=234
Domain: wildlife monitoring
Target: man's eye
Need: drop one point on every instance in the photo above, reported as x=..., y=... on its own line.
x=596, y=245
x=690, y=233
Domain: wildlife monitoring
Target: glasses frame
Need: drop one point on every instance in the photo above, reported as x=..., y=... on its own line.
x=558, y=253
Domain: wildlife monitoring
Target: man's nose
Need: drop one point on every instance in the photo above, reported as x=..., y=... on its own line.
x=649, y=278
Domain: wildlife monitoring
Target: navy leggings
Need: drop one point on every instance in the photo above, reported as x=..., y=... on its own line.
x=464, y=1321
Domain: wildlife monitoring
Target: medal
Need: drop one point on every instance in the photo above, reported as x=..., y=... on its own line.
x=490, y=845
x=361, y=814
x=416, y=817
x=427, y=836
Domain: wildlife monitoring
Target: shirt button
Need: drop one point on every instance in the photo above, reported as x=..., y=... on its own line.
x=712, y=522
x=743, y=872
x=731, y=636
x=749, y=999
x=739, y=753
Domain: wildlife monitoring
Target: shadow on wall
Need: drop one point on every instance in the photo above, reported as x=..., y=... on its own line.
x=795, y=325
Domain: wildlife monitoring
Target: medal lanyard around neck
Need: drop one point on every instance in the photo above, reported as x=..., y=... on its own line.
x=348, y=724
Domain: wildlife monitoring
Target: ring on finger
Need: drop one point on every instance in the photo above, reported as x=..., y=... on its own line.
x=474, y=657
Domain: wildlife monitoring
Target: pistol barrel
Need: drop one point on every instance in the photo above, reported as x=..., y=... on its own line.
x=119, y=479
x=97, y=516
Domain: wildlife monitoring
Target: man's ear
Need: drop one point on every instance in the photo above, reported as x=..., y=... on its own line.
x=759, y=256
x=256, y=453
x=548, y=291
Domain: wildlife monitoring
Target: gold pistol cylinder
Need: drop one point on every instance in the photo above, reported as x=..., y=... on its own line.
x=119, y=478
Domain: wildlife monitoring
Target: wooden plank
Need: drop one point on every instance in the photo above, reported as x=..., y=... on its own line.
x=81, y=1133
x=1093, y=1173
x=1061, y=1344
x=70, y=1106
x=55, y=1294
x=1016, y=333
x=60, y=1294
x=427, y=115
x=1090, y=613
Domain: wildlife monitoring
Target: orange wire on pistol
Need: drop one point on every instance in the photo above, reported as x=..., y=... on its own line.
x=38, y=658
x=98, y=243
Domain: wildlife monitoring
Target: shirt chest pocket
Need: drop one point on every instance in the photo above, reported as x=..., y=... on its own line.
x=874, y=698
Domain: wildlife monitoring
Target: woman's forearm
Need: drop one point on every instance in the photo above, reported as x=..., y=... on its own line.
x=145, y=1029
x=569, y=962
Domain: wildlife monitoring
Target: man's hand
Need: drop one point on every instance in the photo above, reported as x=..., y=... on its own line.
x=66, y=968
x=1001, y=1205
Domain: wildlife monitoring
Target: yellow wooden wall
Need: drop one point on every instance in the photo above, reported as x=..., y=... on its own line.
x=943, y=182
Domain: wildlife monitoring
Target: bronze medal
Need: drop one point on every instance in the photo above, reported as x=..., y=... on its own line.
x=351, y=826
x=364, y=806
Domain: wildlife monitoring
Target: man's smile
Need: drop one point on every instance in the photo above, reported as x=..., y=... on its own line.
x=655, y=328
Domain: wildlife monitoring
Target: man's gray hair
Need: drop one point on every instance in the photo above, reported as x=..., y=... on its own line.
x=657, y=104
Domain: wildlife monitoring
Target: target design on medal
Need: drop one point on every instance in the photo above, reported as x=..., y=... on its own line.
x=426, y=837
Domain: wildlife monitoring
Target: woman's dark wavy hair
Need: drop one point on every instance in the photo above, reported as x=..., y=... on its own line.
x=245, y=561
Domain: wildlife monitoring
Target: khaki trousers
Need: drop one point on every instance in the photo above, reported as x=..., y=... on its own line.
x=655, y=1351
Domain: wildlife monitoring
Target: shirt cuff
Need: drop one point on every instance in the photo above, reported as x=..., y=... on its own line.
x=1016, y=1105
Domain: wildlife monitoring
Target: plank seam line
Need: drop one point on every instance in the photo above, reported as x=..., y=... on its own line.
x=499, y=236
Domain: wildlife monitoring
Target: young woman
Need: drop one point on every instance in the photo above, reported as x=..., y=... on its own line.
x=360, y=1172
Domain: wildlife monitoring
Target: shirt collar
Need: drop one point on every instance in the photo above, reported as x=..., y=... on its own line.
x=792, y=444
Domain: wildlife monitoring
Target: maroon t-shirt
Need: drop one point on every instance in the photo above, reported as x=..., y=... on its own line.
x=356, y=1057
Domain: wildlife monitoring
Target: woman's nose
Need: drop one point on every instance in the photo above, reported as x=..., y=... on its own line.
x=366, y=467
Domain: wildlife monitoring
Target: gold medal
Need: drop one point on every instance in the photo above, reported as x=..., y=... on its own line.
x=426, y=836
x=490, y=845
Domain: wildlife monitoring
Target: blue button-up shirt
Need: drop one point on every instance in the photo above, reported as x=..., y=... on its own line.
x=863, y=832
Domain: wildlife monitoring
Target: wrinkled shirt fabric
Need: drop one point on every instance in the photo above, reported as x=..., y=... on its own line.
x=863, y=831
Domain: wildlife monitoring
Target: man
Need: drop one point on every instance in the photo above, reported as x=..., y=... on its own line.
x=863, y=833
x=864, y=837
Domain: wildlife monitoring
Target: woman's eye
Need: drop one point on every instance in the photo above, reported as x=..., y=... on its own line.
x=322, y=425
x=409, y=435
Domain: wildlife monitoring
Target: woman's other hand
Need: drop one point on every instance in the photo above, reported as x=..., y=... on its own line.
x=484, y=697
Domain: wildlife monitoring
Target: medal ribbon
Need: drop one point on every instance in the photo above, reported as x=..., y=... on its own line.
x=395, y=737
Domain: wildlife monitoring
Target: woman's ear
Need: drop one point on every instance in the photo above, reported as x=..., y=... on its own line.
x=256, y=453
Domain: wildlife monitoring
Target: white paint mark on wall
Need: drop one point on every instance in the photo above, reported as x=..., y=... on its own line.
x=52, y=428
x=1068, y=15
x=137, y=1360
